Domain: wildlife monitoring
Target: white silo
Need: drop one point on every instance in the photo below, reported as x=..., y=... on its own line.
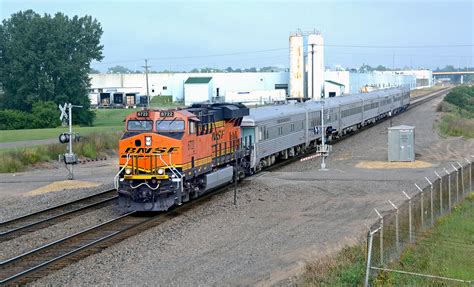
x=315, y=68
x=296, y=65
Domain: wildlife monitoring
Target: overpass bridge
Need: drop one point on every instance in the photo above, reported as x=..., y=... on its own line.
x=461, y=74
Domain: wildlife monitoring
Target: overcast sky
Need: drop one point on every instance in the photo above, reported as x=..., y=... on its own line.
x=200, y=30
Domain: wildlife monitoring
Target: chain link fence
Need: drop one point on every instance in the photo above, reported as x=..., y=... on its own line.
x=405, y=223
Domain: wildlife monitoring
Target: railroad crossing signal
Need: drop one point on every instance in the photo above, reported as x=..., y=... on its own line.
x=64, y=114
x=69, y=157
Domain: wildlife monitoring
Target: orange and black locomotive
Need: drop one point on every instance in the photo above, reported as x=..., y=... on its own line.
x=170, y=156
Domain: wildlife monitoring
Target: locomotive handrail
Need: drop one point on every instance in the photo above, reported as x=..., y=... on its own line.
x=116, y=177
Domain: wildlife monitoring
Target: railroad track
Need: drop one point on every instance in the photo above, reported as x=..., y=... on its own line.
x=53, y=256
x=48, y=217
x=423, y=99
x=41, y=261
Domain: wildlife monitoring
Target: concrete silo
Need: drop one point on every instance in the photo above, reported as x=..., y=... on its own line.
x=296, y=66
x=315, y=68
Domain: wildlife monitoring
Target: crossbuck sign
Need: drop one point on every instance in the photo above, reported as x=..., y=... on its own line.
x=64, y=115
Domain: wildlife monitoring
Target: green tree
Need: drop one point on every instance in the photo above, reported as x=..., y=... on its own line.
x=118, y=70
x=93, y=71
x=47, y=58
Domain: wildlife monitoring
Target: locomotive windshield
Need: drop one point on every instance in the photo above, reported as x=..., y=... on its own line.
x=170, y=125
x=136, y=125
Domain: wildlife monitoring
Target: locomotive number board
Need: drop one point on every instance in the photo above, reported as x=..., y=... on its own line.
x=165, y=114
x=142, y=114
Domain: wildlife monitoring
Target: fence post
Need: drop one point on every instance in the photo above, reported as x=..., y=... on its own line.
x=381, y=236
x=449, y=188
x=409, y=217
x=369, y=258
x=457, y=183
x=422, y=211
x=431, y=200
x=397, y=238
x=462, y=179
x=440, y=193
x=470, y=174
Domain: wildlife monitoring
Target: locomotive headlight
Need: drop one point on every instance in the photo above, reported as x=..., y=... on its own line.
x=128, y=170
x=148, y=141
x=161, y=171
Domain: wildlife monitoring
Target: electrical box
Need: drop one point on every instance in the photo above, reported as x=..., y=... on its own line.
x=401, y=143
x=70, y=158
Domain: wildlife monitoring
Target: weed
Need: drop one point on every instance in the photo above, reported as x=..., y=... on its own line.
x=347, y=268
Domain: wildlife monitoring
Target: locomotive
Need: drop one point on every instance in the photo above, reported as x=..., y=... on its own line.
x=168, y=157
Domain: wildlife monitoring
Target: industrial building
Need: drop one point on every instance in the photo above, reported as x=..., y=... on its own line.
x=263, y=85
x=253, y=88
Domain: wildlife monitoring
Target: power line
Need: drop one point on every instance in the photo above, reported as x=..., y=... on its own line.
x=286, y=48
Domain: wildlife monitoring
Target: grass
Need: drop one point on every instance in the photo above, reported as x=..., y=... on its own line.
x=92, y=146
x=423, y=91
x=455, y=122
x=41, y=134
x=446, y=250
x=347, y=268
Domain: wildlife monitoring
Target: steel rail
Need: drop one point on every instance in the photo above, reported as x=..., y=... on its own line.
x=48, y=217
x=41, y=261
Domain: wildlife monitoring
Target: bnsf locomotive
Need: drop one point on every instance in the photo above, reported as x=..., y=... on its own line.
x=170, y=156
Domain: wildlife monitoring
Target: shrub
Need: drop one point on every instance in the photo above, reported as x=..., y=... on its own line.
x=13, y=119
x=45, y=115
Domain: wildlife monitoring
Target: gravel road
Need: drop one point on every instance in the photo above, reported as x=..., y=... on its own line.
x=283, y=218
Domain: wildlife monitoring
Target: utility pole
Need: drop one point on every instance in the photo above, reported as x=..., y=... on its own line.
x=312, y=71
x=146, y=76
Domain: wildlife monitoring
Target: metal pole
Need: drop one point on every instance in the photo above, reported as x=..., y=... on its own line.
x=431, y=200
x=449, y=188
x=71, y=173
x=370, y=238
x=397, y=238
x=470, y=174
x=323, y=140
x=440, y=193
x=457, y=182
x=462, y=178
x=381, y=236
x=410, y=234
x=146, y=77
x=421, y=202
x=312, y=71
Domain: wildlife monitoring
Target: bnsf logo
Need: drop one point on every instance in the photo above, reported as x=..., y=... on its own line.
x=217, y=135
x=151, y=150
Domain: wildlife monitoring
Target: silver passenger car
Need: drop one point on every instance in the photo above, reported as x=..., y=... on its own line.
x=282, y=131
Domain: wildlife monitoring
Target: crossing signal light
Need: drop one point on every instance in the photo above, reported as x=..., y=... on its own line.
x=64, y=138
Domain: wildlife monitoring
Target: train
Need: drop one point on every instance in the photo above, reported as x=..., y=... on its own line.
x=168, y=157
